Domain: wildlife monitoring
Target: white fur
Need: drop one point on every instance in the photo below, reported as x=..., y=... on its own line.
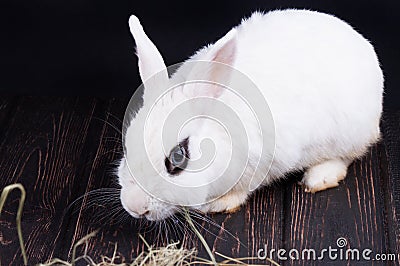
x=322, y=82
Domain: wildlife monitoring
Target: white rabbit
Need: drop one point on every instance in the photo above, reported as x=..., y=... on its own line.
x=323, y=85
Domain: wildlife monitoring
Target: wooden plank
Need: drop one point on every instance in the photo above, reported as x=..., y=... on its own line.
x=95, y=212
x=61, y=149
x=353, y=211
x=41, y=150
x=257, y=225
x=391, y=139
x=240, y=234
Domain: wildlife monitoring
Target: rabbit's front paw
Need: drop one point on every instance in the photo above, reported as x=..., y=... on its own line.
x=324, y=175
x=229, y=203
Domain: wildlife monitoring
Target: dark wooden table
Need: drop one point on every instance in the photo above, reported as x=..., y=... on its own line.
x=62, y=148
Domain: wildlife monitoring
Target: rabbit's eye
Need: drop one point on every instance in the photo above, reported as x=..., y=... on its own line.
x=178, y=157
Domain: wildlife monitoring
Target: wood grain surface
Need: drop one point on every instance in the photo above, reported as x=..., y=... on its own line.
x=61, y=149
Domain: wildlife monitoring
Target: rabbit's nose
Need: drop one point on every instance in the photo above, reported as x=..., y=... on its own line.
x=135, y=200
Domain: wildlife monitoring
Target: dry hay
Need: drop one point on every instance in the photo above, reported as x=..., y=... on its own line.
x=170, y=255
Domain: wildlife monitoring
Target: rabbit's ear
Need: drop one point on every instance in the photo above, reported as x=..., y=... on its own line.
x=218, y=66
x=224, y=50
x=150, y=59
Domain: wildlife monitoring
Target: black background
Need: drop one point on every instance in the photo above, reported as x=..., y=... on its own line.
x=83, y=47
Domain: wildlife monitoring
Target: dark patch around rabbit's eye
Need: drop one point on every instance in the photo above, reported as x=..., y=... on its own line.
x=178, y=158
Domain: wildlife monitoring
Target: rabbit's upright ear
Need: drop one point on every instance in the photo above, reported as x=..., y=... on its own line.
x=217, y=67
x=224, y=50
x=151, y=63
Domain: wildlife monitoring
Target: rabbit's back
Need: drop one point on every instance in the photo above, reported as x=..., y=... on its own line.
x=321, y=79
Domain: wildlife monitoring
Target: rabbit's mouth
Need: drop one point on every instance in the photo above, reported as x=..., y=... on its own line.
x=140, y=205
